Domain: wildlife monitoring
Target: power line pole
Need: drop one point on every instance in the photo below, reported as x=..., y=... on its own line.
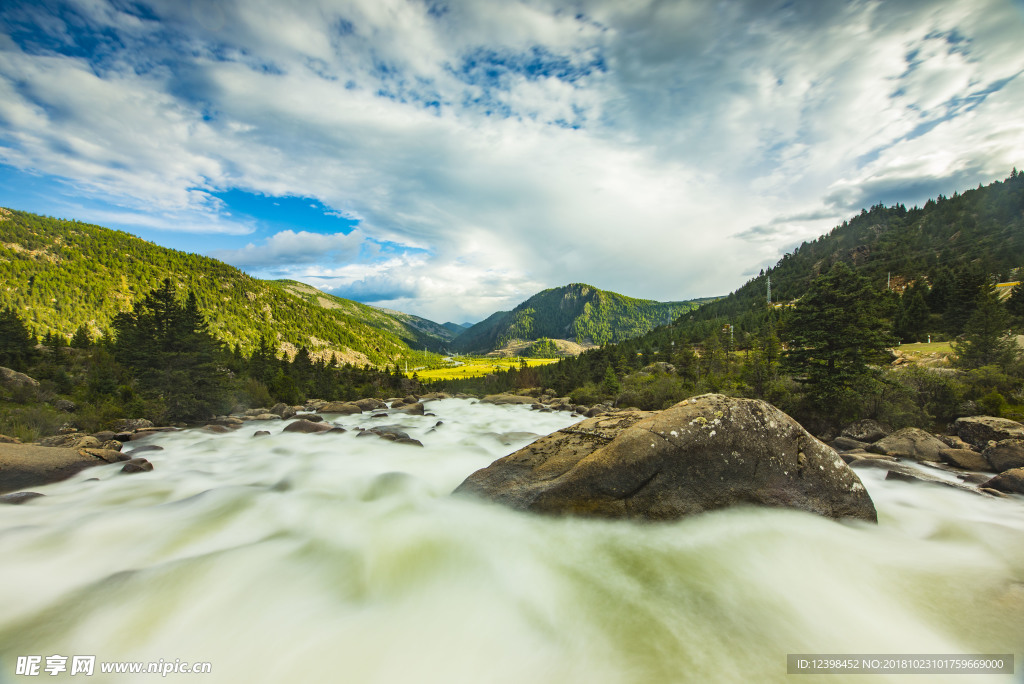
x=769, y=289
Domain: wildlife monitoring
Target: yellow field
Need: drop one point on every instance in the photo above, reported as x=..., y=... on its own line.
x=474, y=367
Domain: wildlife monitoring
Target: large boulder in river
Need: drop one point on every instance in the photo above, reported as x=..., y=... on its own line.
x=345, y=408
x=980, y=430
x=912, y=443
x=704, y=453
x=27, y=465
x=1011, y=481
x=1005, y=455
x=866, y=430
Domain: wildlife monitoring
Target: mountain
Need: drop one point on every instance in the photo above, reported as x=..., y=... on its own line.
x=578, y=312
x=948, y=247
x=60, y=274
x=456, y=328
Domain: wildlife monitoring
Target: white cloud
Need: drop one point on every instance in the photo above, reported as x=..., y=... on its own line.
x=449, y=133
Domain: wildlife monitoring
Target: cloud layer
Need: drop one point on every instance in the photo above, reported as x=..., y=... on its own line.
x=491, y=149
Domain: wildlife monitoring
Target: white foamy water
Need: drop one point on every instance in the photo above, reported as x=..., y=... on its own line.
x=313, y=558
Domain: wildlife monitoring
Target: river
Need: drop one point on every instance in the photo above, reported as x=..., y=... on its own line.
x=317, y=558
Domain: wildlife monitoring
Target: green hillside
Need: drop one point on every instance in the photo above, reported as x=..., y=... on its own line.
x=60, y=274
x=577, y=312
x=945, y=248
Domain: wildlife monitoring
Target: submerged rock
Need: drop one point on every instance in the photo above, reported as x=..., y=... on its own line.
x=137, y=465
x=18, y=498
x=704, y=453
x=307, y=426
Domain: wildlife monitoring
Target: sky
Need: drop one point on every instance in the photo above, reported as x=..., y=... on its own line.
x=451, y=159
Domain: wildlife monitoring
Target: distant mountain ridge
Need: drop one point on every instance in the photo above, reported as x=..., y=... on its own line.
x=577, y=312
x=59, y=274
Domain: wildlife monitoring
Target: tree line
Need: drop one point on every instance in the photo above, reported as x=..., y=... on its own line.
x=163, y=363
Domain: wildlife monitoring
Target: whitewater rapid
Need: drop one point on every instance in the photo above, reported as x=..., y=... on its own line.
x=333, y=557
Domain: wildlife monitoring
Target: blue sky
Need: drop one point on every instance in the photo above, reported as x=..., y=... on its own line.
x=450, y=159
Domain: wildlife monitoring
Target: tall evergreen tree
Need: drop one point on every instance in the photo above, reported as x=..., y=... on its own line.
x=16, y=343
x=172, y=354
x=985, y=341
x=835, y=332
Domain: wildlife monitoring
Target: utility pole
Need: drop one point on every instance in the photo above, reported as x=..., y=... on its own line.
x=888, y=280
x=769, y=288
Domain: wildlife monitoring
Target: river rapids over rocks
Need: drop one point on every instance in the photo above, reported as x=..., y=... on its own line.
x=330, y=557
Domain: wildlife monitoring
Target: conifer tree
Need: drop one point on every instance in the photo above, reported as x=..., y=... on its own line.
x=985, y=341
x=835, y=332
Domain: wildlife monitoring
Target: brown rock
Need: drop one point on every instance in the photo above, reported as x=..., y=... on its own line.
x=28, y=465
x=866, y=431
x=414, y=409
x=137, y=465
x=506, y=399
x=980, y=430
x=704, y=453
x=912, y=443
x=307, y=426
x=370, y=404
x=1011, y=481
x=345, y=408
x=968, y=459
x=1005, y=455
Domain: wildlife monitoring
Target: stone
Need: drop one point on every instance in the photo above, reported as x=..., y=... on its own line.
x=307, y=426
x=266, y=416
x=143, y=448
x=1005, y=455
x=912, y=443
x=980, y=430
x=848, y=444
x=12, y=378
x=968, y=459
x=866, y=431
x=4, y=439
x=131, y=424
x=345, y=408
x=506, y=399
x=313, y=417
x=108, y=455
x=598, y=410
x=30, y=465
x=278, y=409
x=702, y=454
x=74, y=440
x=18, y=498
x=65, y=405
x=227, y=421
x=415, y=409
x=137, y=465
x=370, y=404
x=216, y=429
x=1011, y=482
x=261, y=433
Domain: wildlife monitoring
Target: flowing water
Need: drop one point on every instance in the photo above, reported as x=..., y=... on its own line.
x=317, y=558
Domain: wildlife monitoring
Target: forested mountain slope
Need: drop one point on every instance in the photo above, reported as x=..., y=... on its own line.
x=577, y=312
x=60, y=274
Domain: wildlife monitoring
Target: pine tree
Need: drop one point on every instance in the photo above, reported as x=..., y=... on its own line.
x=835, y=332
x=16, y=344
x=985, y=341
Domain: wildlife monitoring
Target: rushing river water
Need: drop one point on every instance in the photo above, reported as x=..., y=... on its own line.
x=320, y=558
